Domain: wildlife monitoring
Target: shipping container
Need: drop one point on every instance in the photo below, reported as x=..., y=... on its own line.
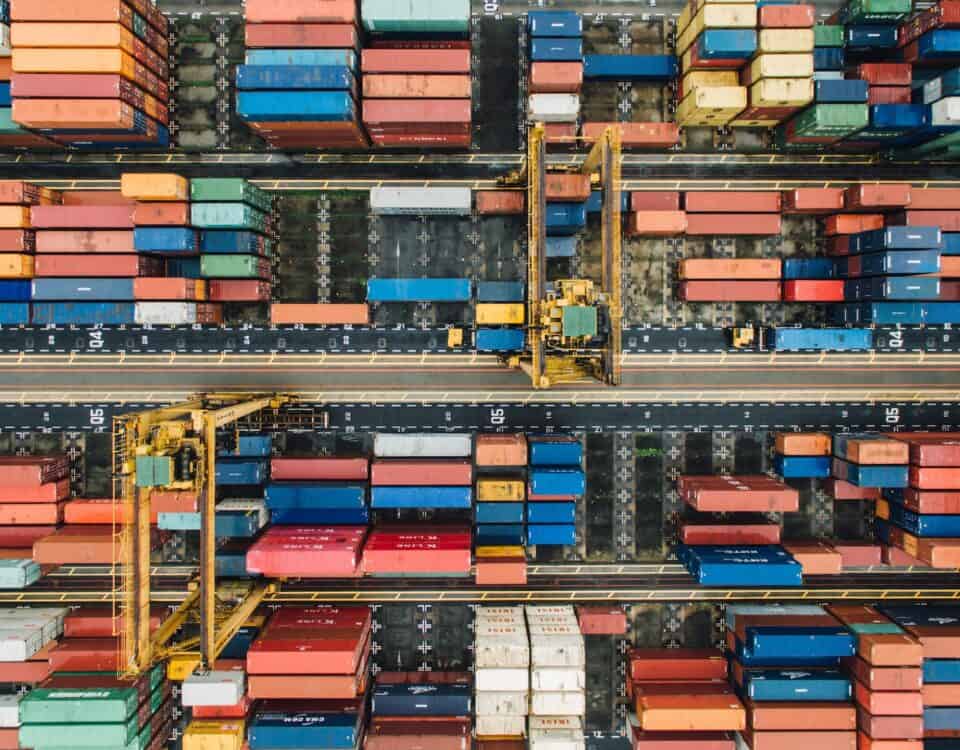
x=636, y=134
x=400, y=200
x=421, y=446
x=416, y=16
x=731, y=291
x=287, y=35
x=720, y=268
x=733, y=224
x=820, y=339
x=553, y=23
x=418, y=290
x=550, y=108
x=556, y=49
x=630, y=67
x=556, y=77
x=500, y=339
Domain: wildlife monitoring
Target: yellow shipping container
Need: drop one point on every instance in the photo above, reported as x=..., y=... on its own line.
x=781, y=66
x=500, y=314
x=500, y=490
x=214, y=735
x=14, y=217
x=718, y=16
x=696, y=78
x=712, y=105
x=47, y=60
x=781, y=92
x=155, y=187
x=500, y=551
x=786, y=40
x=16, y=266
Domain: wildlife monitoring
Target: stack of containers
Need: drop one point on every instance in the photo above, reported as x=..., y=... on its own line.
x=235, y=245
x=886, y=675
x=780, y=77
x=420, y=709
x=785, y=664
x=307, y=552
x=500, y=303
x=421, y=471
x=426, y=549
x=888, y=83
x=941, y=94
x=714, y=41
x=299, y=87
x=556, y=482
x=11, y=134
x=90, y=707
x=500, y=512
x=655, y=213
x=870, y=460
x=730, y=280
x=567, y=196
x=33, y=491
x=217, y=695
x=18, y=242
x=92, y=76
x=311, y=651
x=811, y=280
x=318, y=490
x=161, y=219
x=934, y=626
x=240, y=512
x=417, y=97
x=557, y=677
x=556, y=72
x=501, y=657
x=803, y=455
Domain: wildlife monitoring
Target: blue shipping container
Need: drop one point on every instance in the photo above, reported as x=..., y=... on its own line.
x=877, y=476
x=941, y=718
x=418, y=290
x=320, y=516
x=797, y=685
x=554, y=49
x=238, y=646
x=422, y=699
x=891, y=313
x=551, y=512
x=778, y=642
x=421, y=497
x=557, y=482
x=315, y=495
x=741, y=565
x=802, y=467
x=900, y=262
x=735, y=610
x=250, y=446
x=500, y=513
x=828, y=58
x=187, y=268
x=941, y=313
x=892, y=288
x=495, y=534
x=892, y=120
x=240, y=471
x=306, y=57
x=5, y=100
x=565, y=218
x=951, y=243
x=229, y=241
x=924, y=524
x=307, y=77
x=500, y=339
x=939, y=43
x=15, y=313
x=296, y=106
x=501, y=291
x=83, y=289
x=232, y=564
x=551, y=534
x=897, y=238
x=808, y=268
x=821, y=339
x=630, y=67
x=555, y=452
x=727, y=44
x=555, y=23
x=840, y=91
x=561, y=247
x=871, y=37
x=15, y=290
x=84, y=313
x=941, y=671
x=594, y=204
x=226, y=525
x=165, y=240
x=288, y=725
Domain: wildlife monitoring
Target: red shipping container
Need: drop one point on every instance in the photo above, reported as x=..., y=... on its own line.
x=418, y=473
x=41, y=493
x=556, y=77
x=677, y=664
x=733, y=224
x=305, y=653
x=813, y=290
x=868, y=197
x=636, y=134
x=934, y=478
x=322, y=616
x=730, y=533
x=897, y=558
x=890, y=727
x=99, y=512
x=297, y=35
x=301, y=11
x=730, y=268
x=239, y=290
x=886, y=74
x=317, y=686
x=654, y=200
x=421, y=113
x=30, y=471
x=490, y=202
x=415, y=85
x=888, y=703
x=730, y=291
x=319, y=468
x=655, y=224
x=415, y=61
x=168, y=288
x=82, y=241
x=102, y=622
x=560, y=133
x=105, y=266
x=308, y=552
x=97, y=198
x=843, y=490
x=884, y=678
x=598, y=620
x=937, y=553
x=165, y=501
x=920, y=501
x=838, y=245
x=732, y=201
x=425, y=550
x=680, y=740
x=858, y=554
x=889, y=95
x=237, y=711
x=784, y=716
x=816, y=558
x=77, y=545
x=853, y=223
x=161, y=214
x=81, y=217
x=800, y=740
x=787, y=16
x=935, y=199
x=86, y=655
x=934, y=451
x=23, y=537
x=31, y=514
x=948, y=221
x=745, y=493
x=18, y=241
x=812, y=200
x=566, y=187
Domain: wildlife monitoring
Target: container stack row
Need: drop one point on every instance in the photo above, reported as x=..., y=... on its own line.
x=11, y=134
x=501, y=312
x=326, y=491
x=556, y=483
x=501, y=660
x=300, y=86
x=556, y=72
x=420, y=709
x=501, y=512
x=426, y=473
x=91, y=77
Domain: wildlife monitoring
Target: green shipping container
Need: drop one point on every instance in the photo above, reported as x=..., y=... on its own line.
x=579, y=320
x=866, y=11
x=154, y=471
x=416, y=16
x=140, y=742
x=228, y=189
x=825, y=35
x=91, y=735
x=78, y=706
x=828, y=120
x=781, y=143
x=230, y=266
x=227, y=216
x=944, y=142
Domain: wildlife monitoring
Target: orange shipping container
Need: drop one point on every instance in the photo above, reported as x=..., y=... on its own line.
x=421, y=112
x=418, y=86
x=415, y=61
x=800, y=740
x=803, y=443
x=787, y=16
x=937, y=553
x=30, y=514
x=880, y=452
x=301, y=11
x=168, y=288
x=637, y=134
x=656, y=223
x=501, y=571
x=16, y=266
x=87, y=114
x=777, y=715
x=319, y=314
x=735, y=268
x=490, y=202
x=885, y=703
x=14, y=217
x=816, y=558
x=570, y=188
x=98, y=512
x=732, y=201
x=853, y=223
x=561, y=133
x=878, y=196
x=84, y=241
x=694, y=712
x=293, y=35
x=556, y=77
x=733, y=224
x=946, y=694
x=47, y=60
x=161, y=214
x=889, y=650
x=501, y=450
x=93, y=545
x=20, y=193
x=812, y=200
x=730, y=291
x=934, y=199
x=154, y=187
x=934, y=478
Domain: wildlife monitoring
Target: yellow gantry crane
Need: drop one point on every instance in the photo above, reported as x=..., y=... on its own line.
x=175, y=449
x=562, y=324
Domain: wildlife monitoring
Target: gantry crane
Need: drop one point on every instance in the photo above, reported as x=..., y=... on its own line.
x=175, y=448
x=573, y=329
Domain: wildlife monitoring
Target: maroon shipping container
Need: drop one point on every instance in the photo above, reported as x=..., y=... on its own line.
x=889, y=95
x=747, y=493
x=733, y=224
x=813, y=290
x=86, y=655
x=838, y=245
x=320, y=468
x=941, y=450
x=733, y=201
x=655, y=200
x=82, y=217
x=415, y=61
x=601, y=620
x=948, y=221
x=812, y=200
x=84, y=241
x=422, y=473
x=867, y=197
x=421, y=140
x=107, y=266
x=886, y=74
x=932, y=501
x=18, y=241
x=730, y=291
x=23, y=537
x=730, y=533
x=681, y=740
x=311, y=35
x=419, y=114
x=677, y=664
x=239, y=290
x=787, y=16
x=490, y=202
x=637, y=134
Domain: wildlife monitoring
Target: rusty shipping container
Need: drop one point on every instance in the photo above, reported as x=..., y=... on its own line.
x=492, y=202
x=556, y=77
x=813, y=200
x=416, y=85
x=732, y=202
x=451, y=61
x=731, y=291
x=84, y=241
x=637, y=134
x=107, y=266
x=306, y=35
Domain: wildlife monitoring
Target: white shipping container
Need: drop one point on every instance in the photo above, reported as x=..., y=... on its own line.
x=5, y=49
x=558, y=651
x=165, y=313
x=556, y=739
x=495, y=679
x=495, y=653
x=828, y=75
x=247, y=505
x=554, y=107
x=946, y=111
x=215, y=688
x=550, y=628
x=556, y=722
x=422, y=446
x=500, y=726
x=54, y=615
x=567, y=703
x=561, y=611
x=51, y=627
x=416, y=200
x=19, y=644
x=502, y=702
x=932, y=90
x=557, y=678
x=768, y=609
x=9, y=711
x=514, y=614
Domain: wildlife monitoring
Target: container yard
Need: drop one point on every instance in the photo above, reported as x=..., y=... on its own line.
x=418, y=375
